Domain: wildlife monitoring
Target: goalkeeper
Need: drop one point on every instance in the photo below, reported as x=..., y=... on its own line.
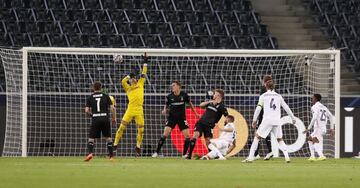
x=134, y=87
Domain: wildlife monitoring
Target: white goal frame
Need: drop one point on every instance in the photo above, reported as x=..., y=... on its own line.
x=180, y=52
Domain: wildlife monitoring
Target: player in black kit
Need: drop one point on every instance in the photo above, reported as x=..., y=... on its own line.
x=176, y=103
x=215, y=109
x=97, y=107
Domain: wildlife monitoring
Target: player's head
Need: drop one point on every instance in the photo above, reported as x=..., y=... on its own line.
x=97, y=86
x=316, y=98
x=133, y=80
x=218, y=94
x=175, y=86
x=268, y=82
x=229, y=119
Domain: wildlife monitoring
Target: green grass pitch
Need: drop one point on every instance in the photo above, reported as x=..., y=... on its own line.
x=65, y=172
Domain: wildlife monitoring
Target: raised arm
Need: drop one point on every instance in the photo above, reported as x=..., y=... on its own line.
x=124, y=83
x=205, y=104
x=143, y=74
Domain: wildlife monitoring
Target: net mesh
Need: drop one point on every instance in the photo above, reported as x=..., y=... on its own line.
x=59, y=83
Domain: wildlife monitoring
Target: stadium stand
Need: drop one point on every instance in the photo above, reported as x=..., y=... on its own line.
x=339, y=20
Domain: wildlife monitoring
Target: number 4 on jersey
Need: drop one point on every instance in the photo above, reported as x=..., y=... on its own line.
x=272, y=105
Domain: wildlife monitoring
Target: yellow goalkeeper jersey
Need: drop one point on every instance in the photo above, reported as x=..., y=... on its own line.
x=135, y=93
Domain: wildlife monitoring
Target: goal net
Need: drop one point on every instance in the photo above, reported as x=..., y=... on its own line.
x=46, y=90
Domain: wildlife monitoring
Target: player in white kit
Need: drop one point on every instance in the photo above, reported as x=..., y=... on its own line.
x=271, y=102
x=321, y=115
x=225, y=143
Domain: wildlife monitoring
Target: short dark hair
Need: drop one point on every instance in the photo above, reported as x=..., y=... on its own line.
x=317, y=96
x=231, y=118
x=97, y=86
x=177, y=82
x=221, y=92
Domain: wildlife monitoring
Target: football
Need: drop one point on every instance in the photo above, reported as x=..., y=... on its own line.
x=118, y=58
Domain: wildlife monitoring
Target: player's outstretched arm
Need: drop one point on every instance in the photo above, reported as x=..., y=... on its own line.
x=124, y=82
x=204, y=104
x=193, y=109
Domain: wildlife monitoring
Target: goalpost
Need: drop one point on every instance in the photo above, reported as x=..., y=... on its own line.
x=46, y=90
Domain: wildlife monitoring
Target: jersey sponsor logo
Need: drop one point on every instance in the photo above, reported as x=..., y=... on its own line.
x=212, y=108
x=177, y=103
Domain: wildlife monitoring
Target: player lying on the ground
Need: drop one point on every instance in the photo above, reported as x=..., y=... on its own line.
x=176, y=103
x=133, y=85
x=225, y=143
x=267, y=140
x=97, y=107
x=321, y=115
x=271, y=103
x=215, y=109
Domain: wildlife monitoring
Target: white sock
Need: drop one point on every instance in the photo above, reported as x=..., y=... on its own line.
x=283, y=148
x=312, y=149
x=253, y=147
x=212, y=154
x=213, y=148
x=318, y=149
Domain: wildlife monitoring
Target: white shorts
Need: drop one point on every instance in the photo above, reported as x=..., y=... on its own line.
x=264, y=130
x=221, y=144
x=318, y=133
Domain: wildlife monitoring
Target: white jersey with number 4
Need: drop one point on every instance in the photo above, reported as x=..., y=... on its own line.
x=272, y=102
x=228, y=136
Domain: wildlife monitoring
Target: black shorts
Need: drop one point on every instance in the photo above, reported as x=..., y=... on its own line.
x=203, y=129
x=172, y=122
x=98, y=126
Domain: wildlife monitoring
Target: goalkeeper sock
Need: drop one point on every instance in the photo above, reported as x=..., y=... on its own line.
x=312, y=149
x=318, y=149
x=91, y=147
x=192, y=146
x=119, y=134
x=283, y=148
x=186, y=145
x=253, y=148
x=268, y=143
x=140, y=136
x=160, y=143
x=110, y=148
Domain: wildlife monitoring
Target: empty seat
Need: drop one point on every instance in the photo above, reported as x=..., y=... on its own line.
x=152, y=41
x=88, y=27
x=228, y=17
x=25, y=15
x=117, y=41
x=7, y=15
x=134, y=41
x=107, y=28
x=5, y=39
x=183, y=5
x=135, y=15
x=158, y=28
x=48, y=27
x=70, y=27
x=154, y=16
x=199, y=29
x=180, y=28
x=205, y=16
x=40, y=40
x=95, y=15
x=201, y=5
x=118, y=16
x=92, y=4
x=123, y=28
x=170, y=41
x=21, y=39
x=43, y=15
x=74, y=4
x=217, y=29
x=165, y=5
x=55, y=4
x=58, y=40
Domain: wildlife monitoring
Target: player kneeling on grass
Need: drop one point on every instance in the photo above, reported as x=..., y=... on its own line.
x=97, y=107
x=271, y=123
x=176, y=103
x=225, y=143
x=321, y=115
x=134, y=88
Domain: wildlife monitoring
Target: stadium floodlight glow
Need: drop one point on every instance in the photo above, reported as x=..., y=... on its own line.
x=46, y=89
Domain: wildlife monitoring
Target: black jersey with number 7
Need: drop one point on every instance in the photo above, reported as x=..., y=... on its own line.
x=99, y=104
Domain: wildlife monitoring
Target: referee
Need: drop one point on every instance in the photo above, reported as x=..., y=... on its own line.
x=97, y=107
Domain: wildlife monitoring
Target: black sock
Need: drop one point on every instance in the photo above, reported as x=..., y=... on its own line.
x=192, y=146
x=186, y=145
x=91, y=147
x=268, y=143
x=160, y=143
x=110, y=148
